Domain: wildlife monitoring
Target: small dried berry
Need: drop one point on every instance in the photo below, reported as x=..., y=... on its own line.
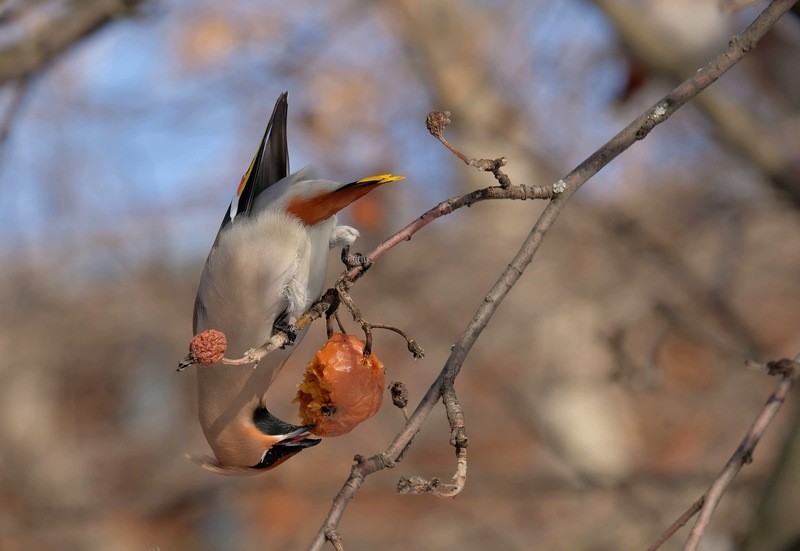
x=208, y=347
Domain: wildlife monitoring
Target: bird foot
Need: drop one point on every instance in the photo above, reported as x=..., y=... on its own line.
x=355, y=260
x=282, y=325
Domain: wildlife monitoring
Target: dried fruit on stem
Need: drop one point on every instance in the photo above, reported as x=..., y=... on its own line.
x=208, y=347
x=341, y=388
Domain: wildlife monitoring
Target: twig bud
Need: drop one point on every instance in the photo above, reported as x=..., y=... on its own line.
x=436, y=122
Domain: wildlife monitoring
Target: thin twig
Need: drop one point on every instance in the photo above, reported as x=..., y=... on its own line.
x=563, y=189
x=789, y=371
x=367, y=327
x=339, y=322
x=436, y=123
x=516, y=192
x=347, y=300
x=458, y=439
x=329, y=330
x=415, y=349
x=679, y=522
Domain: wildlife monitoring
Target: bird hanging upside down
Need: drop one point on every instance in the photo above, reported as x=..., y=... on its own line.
x=266, y=267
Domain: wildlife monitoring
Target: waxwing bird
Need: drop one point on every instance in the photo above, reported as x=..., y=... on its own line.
x=267, y=266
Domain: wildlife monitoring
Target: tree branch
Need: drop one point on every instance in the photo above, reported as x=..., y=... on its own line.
x=12, y=111
x=55, y=31
x=789, y=371
x=741, y=128
x=636, y=130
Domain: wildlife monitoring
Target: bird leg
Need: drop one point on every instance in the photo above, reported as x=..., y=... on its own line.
x=282, y=325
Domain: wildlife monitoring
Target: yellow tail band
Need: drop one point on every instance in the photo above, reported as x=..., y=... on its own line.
x=381, y=179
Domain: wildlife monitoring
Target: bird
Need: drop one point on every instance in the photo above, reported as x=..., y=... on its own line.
x=266, y=266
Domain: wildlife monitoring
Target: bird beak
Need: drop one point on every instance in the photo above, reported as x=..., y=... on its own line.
x=299, y=438
x=289, y=444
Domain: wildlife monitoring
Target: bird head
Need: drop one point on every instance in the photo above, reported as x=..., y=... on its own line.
x=255, y=442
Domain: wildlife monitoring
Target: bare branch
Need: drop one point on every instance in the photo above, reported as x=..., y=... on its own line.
x=789, y=371
x=56, y=30
x=415, y=349
x=518, y=192
x=637, y=130
x=678, y=524
x=333, y=536
x=741, y=128
x=458, y=439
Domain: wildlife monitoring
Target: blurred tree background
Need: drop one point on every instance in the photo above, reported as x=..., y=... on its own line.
x=603, y=397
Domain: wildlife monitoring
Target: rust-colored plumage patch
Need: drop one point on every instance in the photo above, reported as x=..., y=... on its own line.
x=312, y=210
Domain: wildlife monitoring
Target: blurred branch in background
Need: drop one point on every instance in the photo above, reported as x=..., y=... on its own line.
x=39, y=31
x=36, y=33
x=14, y=104
x=770, y=144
